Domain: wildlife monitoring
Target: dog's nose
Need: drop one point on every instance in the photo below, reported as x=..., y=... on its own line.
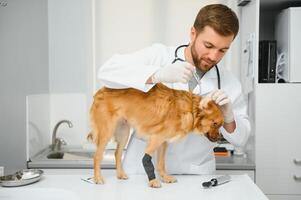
x=213, y=137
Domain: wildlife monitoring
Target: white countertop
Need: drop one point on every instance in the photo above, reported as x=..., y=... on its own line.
x=67, y=184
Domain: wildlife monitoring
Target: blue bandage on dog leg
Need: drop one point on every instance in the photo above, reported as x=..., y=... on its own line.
x=148, y=166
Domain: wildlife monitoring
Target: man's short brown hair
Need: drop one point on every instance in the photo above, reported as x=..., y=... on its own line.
x=219, y=17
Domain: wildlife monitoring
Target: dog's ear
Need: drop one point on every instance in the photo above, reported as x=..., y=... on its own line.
x=204, y=103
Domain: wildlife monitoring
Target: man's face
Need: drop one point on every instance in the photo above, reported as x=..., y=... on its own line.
x=208, y=47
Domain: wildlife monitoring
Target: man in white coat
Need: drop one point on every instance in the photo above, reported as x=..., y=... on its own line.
x=187, y=67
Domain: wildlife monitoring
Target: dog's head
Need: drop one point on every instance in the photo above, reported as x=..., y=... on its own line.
x=209, y=119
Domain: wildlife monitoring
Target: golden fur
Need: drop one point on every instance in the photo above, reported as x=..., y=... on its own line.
x=161, y=115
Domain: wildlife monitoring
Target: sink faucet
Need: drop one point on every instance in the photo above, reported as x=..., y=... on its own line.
x=57, y=142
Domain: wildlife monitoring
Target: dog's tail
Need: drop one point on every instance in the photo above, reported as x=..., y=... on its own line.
x=93, y=136
x=90, y=137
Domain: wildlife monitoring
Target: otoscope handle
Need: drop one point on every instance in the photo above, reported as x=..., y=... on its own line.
x=217, y=181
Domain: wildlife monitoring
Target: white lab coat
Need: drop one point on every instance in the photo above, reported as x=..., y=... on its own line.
x=193, y=154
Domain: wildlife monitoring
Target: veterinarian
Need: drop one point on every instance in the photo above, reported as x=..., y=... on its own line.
x=187, y=67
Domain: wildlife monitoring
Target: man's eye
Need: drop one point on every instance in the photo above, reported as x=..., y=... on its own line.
x=208, y=46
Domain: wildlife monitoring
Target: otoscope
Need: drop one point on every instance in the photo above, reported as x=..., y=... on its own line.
x=217, y=181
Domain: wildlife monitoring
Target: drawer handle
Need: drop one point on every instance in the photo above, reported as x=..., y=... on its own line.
x=297, y=161
x=297, y=178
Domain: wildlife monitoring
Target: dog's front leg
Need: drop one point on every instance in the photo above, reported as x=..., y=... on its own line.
x=153, y=144
x=161, y=165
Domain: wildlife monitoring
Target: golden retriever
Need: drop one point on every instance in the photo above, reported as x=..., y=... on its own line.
x=161, y=115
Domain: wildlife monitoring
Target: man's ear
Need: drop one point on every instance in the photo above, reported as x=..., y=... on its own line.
x=193, y=34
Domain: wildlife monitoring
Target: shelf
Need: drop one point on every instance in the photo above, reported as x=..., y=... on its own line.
x=278, y=4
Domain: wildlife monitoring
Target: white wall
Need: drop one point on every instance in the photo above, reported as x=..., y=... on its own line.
x=23, y=71
x=70, y=65
x=70, y=45
x=232, y=58
x=178, y=18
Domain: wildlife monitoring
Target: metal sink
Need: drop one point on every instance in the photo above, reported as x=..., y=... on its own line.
x=70, y=157
x=55, y=155
x=62, y=155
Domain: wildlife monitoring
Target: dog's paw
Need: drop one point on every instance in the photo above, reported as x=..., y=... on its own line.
x=122, y=175
x=168, y=179
x=99, y=180
x=155, y=183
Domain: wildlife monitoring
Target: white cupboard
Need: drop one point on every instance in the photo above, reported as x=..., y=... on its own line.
x=275, y=110
x=278, y=136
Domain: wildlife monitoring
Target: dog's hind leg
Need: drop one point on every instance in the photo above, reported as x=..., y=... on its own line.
x=161, y=165
x=122, y=133
x=105, y=130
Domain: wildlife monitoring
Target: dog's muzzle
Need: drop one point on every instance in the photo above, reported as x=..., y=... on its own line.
x=213, y=137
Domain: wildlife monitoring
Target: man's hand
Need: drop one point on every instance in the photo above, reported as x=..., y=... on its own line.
x=220, y=98
x=176, y=72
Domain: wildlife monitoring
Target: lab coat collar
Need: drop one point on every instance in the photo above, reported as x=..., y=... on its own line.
x=208, y=83
x=211, y=73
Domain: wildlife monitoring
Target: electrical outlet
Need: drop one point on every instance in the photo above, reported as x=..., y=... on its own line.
x=1, y=171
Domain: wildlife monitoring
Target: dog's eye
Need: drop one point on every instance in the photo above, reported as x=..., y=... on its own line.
x=215, y=125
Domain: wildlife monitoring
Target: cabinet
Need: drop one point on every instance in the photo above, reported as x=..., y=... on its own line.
x=284, y=197
x=274, y=110
x=277, y=111
x=278, y=136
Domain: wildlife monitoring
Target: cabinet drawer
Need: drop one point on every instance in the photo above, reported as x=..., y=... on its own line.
x=278, y=181
x=282, y=197
x=250, y=173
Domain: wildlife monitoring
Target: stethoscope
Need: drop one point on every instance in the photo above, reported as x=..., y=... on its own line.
x=195, y=75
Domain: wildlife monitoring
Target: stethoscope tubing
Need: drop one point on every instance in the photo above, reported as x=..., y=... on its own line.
x=180, y=59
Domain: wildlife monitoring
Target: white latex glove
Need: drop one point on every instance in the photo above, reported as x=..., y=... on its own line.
x=172, y=73
x=220, y=98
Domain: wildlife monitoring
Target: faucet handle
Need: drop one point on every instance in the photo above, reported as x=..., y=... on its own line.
x=57, y=146
x=61, y=141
